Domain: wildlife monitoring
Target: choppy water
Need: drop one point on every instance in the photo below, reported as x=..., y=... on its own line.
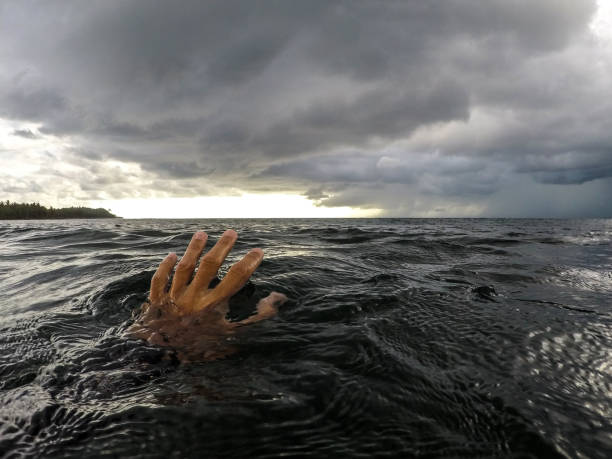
x=413, y=338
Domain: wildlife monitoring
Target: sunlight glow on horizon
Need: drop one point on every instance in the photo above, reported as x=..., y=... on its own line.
x=245, y=206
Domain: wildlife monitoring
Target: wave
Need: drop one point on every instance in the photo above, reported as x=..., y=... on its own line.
x=400, y=338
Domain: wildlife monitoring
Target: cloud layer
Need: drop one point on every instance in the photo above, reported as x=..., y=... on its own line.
x=416, y=108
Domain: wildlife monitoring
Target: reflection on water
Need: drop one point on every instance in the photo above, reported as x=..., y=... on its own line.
x=405, y=338
x=591, y=280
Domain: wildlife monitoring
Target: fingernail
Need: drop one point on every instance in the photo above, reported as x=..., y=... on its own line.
x=172, y=255
x=258, y=250
x=201, y=235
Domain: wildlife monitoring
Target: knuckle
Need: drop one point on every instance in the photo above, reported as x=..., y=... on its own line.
x=240, y=272
x=211, y=261
x=185, y=265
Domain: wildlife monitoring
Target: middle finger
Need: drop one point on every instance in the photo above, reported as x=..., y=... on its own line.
x=211, y=262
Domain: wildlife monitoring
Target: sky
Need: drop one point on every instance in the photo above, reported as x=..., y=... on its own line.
x=412, y=108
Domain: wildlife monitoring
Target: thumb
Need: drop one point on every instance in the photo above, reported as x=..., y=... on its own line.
x=268, y=306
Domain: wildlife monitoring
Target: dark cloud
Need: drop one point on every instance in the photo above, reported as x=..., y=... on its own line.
x=35, y=104
x=25, y=133
x=348, y=102
x=578, y=176
x=425, y=174
x=526, y=198
x=183, y=169
x=380, y=113
x=571, y=167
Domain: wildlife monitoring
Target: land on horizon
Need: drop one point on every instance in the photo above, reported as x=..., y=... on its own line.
x=34, y=211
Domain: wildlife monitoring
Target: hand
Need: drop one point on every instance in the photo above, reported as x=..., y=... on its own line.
x=189, y=315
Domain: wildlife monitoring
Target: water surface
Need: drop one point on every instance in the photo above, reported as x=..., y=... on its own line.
x=402, y=337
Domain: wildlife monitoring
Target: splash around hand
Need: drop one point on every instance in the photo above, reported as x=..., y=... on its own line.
x=189, y=316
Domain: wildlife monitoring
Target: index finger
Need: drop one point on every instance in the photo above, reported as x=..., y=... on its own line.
x=237, y=276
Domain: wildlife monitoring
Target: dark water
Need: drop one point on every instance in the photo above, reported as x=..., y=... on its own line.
x=402, y=338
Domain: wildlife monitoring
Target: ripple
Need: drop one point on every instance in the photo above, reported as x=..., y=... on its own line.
x=402, y=338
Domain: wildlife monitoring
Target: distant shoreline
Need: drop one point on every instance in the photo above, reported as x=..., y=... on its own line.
x=34, y=211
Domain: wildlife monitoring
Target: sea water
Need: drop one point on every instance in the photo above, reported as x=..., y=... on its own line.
x=401, y=338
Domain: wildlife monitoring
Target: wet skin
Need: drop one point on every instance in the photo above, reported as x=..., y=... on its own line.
x=191, y=317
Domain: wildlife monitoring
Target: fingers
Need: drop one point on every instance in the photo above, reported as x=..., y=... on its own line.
x=185, y=268
x=237, y=276
x=211, y=262
x=161, y=277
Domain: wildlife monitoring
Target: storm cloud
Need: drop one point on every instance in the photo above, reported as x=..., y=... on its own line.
x=437, y=108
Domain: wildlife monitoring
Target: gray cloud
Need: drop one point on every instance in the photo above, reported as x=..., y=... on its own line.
x=25, y=133
x=347, y=102
x=37, y=104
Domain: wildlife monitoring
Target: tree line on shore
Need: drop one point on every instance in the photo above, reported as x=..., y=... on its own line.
x=26, y=211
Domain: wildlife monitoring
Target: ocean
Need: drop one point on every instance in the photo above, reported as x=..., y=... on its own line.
x=401, y=338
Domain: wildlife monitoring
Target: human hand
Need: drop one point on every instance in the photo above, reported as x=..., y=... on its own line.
x=191, y=315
